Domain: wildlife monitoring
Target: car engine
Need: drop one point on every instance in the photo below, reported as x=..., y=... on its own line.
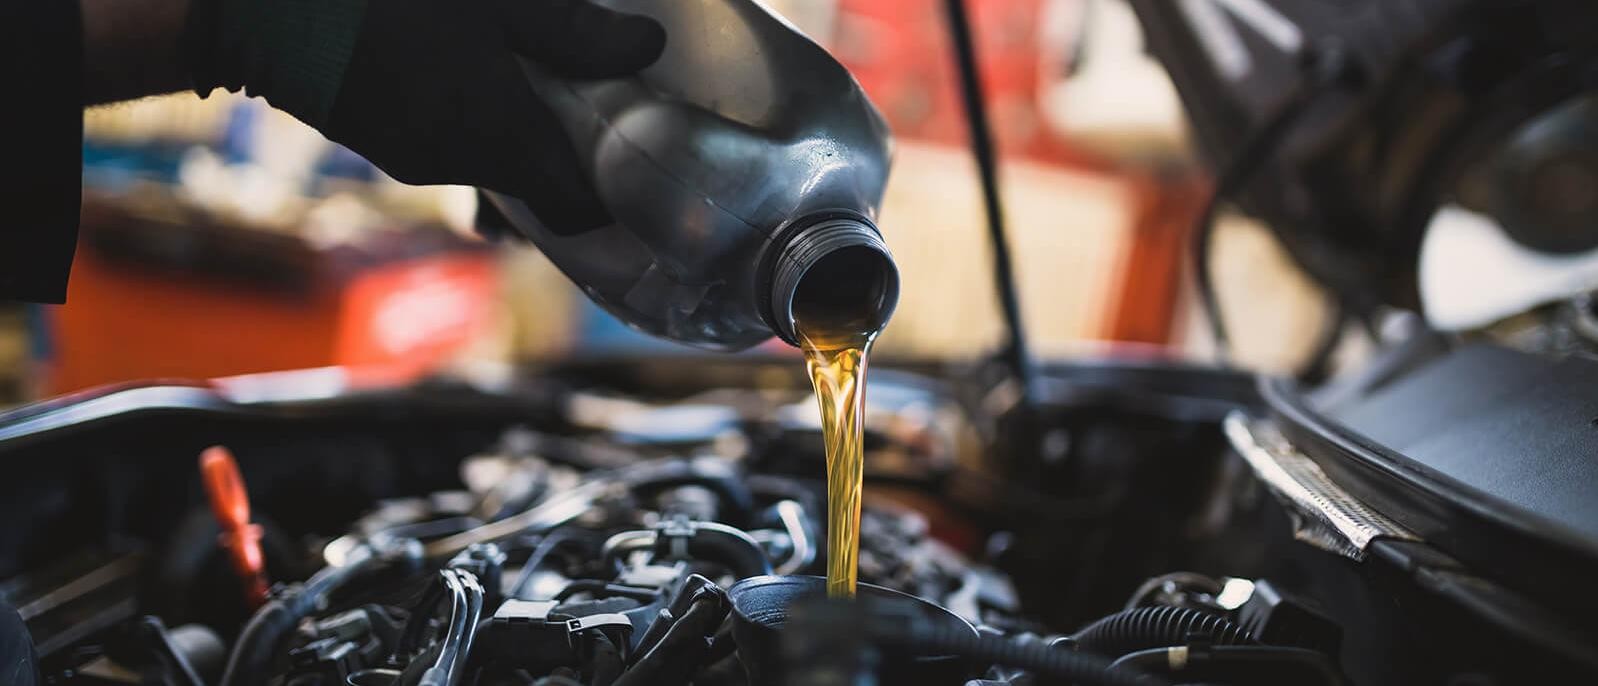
x=587, y=525
x=1426, y=518
x=626, y=521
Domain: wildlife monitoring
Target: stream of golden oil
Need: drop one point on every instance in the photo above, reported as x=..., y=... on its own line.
x=837, y=366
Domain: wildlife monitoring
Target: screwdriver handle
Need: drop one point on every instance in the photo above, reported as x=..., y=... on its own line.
x=230, y=503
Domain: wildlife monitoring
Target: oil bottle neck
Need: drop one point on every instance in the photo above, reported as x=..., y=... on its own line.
x=835, y=274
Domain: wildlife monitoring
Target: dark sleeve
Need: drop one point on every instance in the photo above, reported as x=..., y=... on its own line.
x=41, y=171
x=19, y=662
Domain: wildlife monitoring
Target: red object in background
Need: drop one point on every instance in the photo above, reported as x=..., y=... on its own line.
x=899, y=51
x=230, y=503
x=1148, y=282
x=180, y=300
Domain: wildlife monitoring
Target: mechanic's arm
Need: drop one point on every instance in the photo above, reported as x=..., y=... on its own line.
x=428, y=90
x=132, y=48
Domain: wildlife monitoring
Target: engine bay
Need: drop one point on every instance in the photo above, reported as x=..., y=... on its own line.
x=632, y=522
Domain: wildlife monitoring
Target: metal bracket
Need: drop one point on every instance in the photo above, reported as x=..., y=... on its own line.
x=675, y=533
x=611, y=620
x=514, y=610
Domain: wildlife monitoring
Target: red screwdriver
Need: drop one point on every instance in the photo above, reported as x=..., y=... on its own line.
x=224, y=487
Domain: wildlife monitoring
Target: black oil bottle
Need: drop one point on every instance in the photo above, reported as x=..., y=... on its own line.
x=743, y=170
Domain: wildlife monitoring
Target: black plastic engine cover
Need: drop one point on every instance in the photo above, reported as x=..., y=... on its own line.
x=1489, y=454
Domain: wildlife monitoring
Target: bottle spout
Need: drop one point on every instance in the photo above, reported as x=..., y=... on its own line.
x=833, y=277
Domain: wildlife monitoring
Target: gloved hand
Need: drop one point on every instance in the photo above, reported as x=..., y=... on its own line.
x=428, y=90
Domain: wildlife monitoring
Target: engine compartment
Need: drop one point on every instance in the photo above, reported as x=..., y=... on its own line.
x=634, y=522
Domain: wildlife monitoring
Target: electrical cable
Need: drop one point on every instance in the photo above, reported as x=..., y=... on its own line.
x=800, y=538
x=1155, y=627
x=466, y=608
x=1183, y=580
x=439, y=673
x=1239, y=664
x=411, y=638
x=1015, y=354
x=1040, y=658
x=605, y=589
x=605, y=665
x=546, y=545
x=1328, y=68
x=1318, y=366
x=684, y=647
x=253, y=651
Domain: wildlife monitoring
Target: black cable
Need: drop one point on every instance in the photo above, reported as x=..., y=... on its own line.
x=1040, y=658
x=412, y=674
x=411, y=638
x=448, y=645
x=1237, y=172
x=722, y=645
x=1186, y=580
x=684, y=647
x=545, y=546
x=1156, y=627
x=477, y=595
x=1325, y=69
x=1240, y=664
x=1015, y=354
x=466, y=608
x=1318, y=366
x=605, y=665
x=606, y=589
x=257, y=642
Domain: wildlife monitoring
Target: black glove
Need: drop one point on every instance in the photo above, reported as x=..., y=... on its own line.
x=19, y=662
x=428, y=90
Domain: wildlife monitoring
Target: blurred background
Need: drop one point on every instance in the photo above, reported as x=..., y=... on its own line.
x=220, y=237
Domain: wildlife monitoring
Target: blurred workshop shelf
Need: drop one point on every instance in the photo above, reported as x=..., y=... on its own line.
x=176, y=294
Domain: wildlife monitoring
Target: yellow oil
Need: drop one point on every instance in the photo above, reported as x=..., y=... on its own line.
x=836, y=362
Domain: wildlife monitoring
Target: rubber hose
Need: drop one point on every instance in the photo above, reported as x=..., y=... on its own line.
x=737, y=503
x=606, y=662
x=674, y=659
x=412, y=675
x=329, y=579
x=449, y=644
x=423, y=661
x=731, y=547
x=1157, y=627
x=466, y=607
x=252, y=652
x=246, y=666
x=710, y=541
x=691, y=593
x=1041, y=658
x=546, y=545
x=411, y=638
x=479, y=596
